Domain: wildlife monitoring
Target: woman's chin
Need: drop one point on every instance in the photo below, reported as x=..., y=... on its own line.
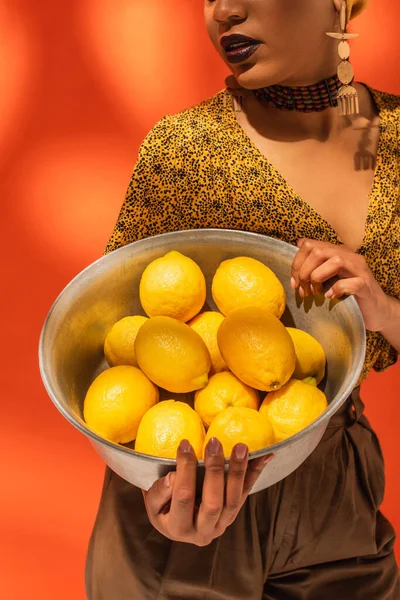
x=254, y=78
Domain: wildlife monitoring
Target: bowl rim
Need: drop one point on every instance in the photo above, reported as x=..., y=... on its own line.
x=332, y=408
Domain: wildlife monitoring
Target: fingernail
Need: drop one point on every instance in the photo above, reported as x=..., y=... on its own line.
x=329, y=293
x=185, y=446
x=293, y=283
x=167, y=480
x=266, y=459
x=312, y=288
x=214, y=447
x=240, y=451
x=301, y=292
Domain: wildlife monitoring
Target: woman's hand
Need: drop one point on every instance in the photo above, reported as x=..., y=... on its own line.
x=171, y=501
x=317, y=262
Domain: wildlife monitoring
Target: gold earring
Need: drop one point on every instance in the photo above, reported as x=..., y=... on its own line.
x=348, y=101
x=236, y=99
x=237, y=103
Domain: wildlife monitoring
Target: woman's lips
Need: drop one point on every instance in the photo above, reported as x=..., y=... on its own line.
x=237, y=53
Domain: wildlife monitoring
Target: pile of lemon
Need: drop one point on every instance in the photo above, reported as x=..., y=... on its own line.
x=185, y=374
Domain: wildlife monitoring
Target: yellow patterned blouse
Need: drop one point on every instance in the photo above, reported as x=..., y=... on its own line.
x=199, y=169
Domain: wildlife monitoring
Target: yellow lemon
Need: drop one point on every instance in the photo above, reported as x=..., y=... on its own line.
x=164, y=426
x=116, y=402
x=257, y=348
x=119, y=346
x=206, y=325
x=172, y=355
x=222, y=391
x=241, y=425
x=293, y=408
x=310, y=355
x=245, y=281
x=173, y=286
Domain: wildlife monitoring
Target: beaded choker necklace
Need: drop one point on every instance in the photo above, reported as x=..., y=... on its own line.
x=309, y=98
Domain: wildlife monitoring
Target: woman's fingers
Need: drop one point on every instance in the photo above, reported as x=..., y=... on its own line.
x=212, y=502
x=336, y=265
x=305, y=247
x=236, y=477
x=254, y=470
x=316, y=262
x=242, y=476
x=354, y=286
x=159, y=495
x=184, y=491
x=170, y=502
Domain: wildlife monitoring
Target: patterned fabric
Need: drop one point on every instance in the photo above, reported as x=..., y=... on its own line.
x=199, y=169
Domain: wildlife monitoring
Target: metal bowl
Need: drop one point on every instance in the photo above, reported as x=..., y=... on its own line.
x=71, y=343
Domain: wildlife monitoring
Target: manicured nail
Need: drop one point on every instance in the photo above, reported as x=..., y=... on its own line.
x=329, y=293
x=167, y=480
x=301, y=292
x=185, y=446
x=214, y=447
x=267, y=459
x=293, y=283
x=312, y=288
x=240, y=451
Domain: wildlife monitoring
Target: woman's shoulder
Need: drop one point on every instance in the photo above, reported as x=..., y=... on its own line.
x=204, y=120
x=198, y=126
x=388, y=104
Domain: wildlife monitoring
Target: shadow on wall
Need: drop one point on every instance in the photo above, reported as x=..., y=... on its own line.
x=93, y=79
x=82, y=81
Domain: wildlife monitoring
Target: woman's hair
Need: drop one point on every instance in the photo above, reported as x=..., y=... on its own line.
x=354, y=7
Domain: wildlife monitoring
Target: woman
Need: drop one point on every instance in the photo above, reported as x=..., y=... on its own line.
x=319, y=533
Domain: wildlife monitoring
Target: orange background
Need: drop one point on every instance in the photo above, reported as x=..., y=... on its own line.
x=82, y=81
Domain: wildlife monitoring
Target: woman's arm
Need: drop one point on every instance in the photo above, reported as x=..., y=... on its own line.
x=391, y=329
x=151, y=204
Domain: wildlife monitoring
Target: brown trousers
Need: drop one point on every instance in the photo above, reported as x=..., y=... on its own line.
x=317, y=535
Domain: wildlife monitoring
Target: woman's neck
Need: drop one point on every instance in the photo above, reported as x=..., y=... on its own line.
x=289, y=126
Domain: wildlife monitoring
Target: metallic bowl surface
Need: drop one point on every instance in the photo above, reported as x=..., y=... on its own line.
x=71, y=343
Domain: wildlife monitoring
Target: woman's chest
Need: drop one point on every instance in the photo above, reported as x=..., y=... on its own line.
x=251, y=195
x=329, y=185
x=335, y=178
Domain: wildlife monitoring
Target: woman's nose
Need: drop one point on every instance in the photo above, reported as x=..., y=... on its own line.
x=230, y=10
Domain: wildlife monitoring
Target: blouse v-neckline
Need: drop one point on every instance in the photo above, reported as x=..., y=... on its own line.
x=376, y=193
